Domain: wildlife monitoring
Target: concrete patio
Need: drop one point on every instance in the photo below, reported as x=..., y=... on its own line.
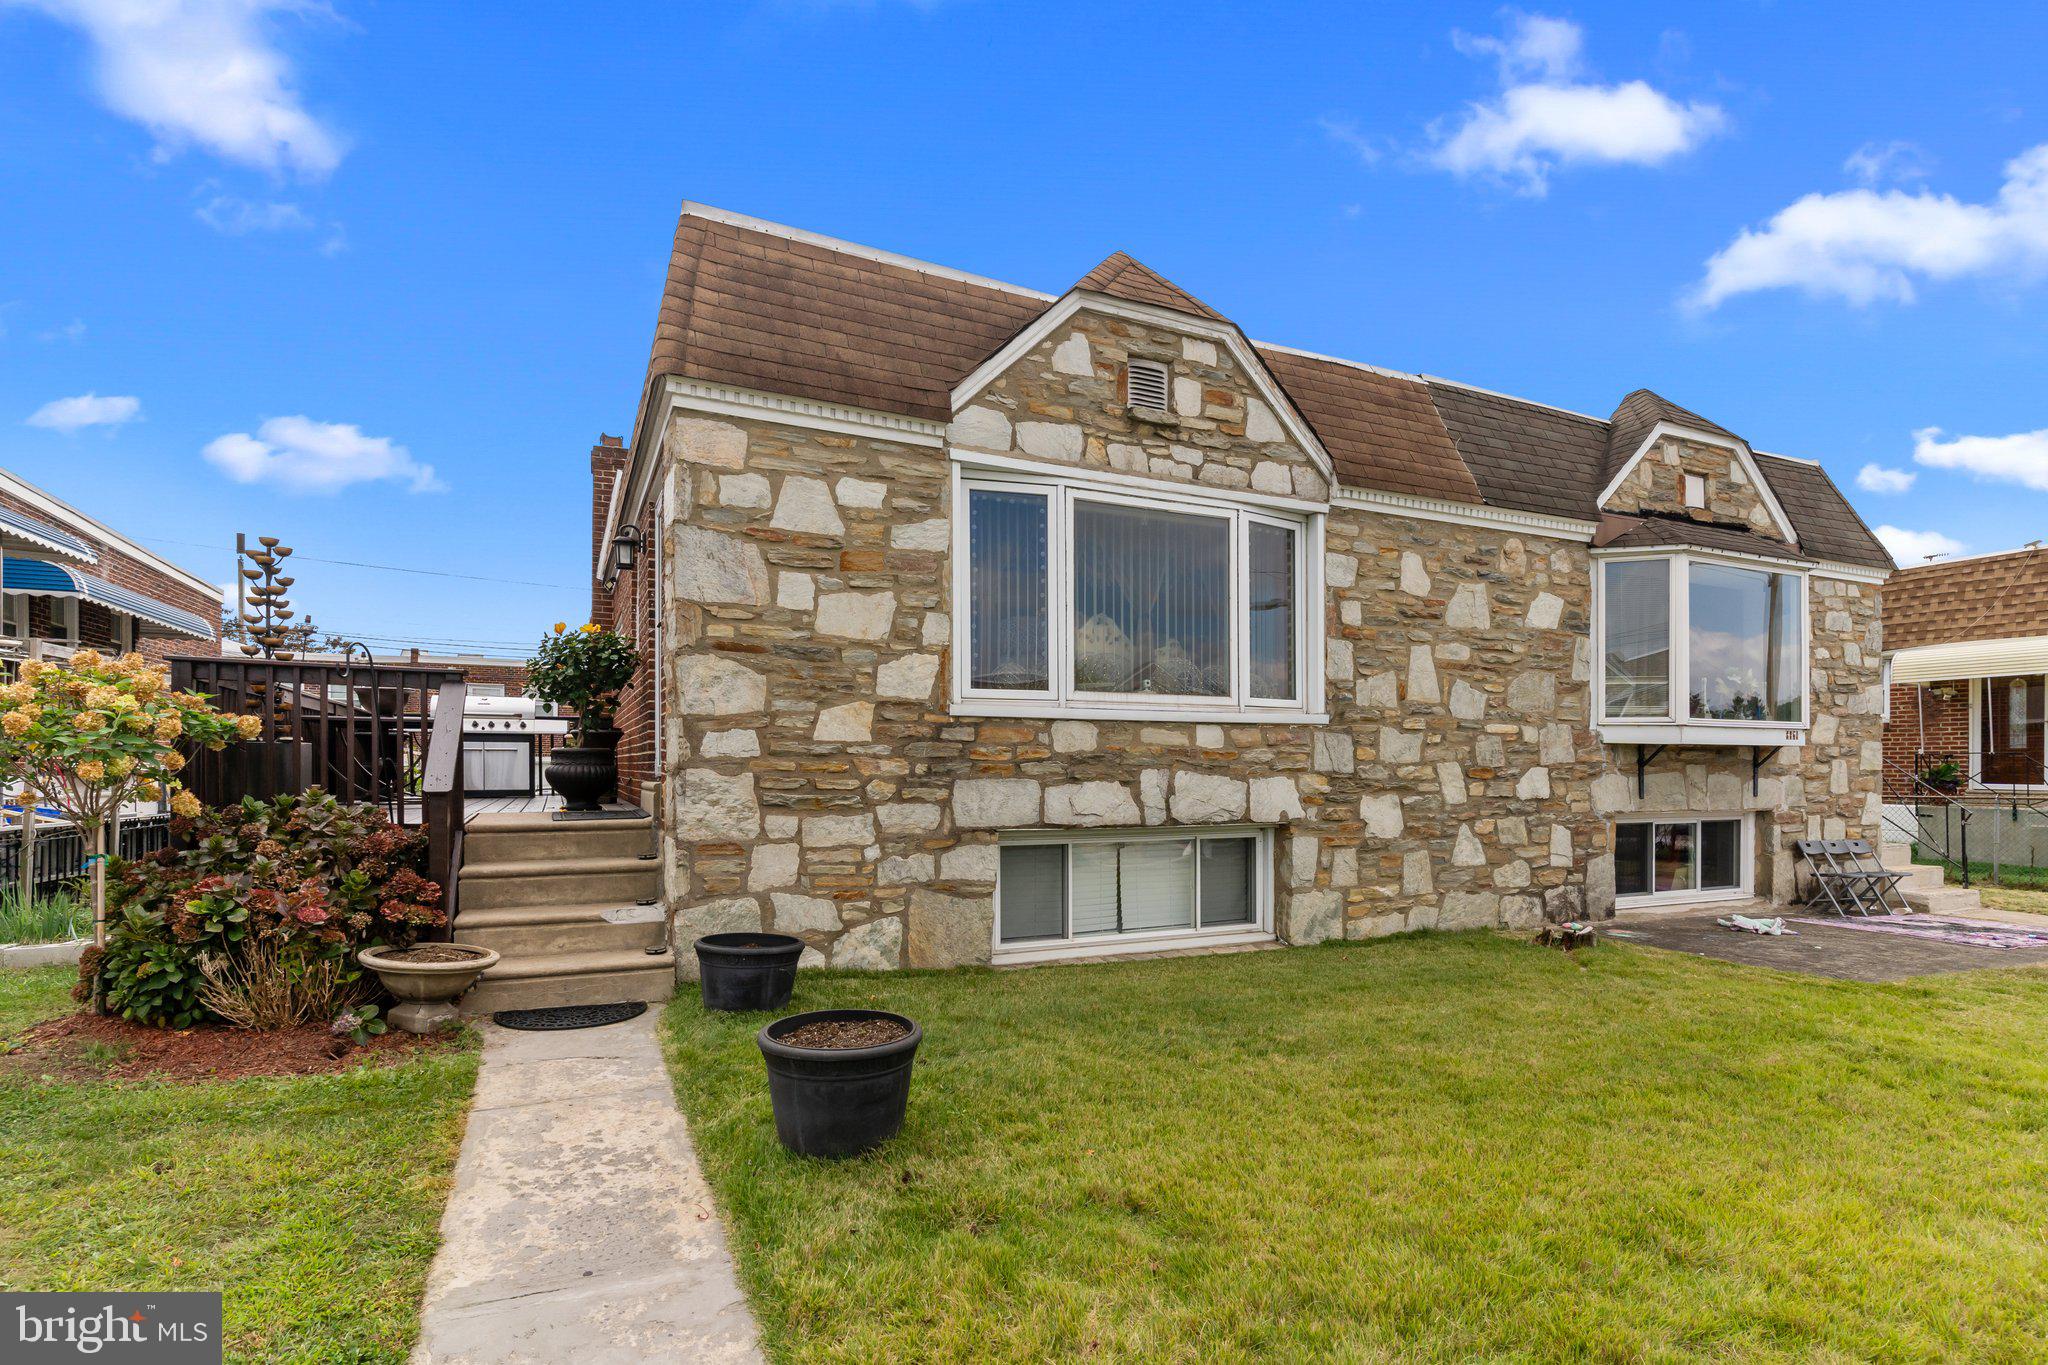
x=1832, y=949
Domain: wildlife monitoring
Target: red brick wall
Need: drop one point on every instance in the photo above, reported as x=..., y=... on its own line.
x=95, y=623
x=1927, y=718
x=627, y=606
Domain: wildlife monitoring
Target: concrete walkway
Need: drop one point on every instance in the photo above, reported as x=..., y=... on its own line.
x=580, y=1228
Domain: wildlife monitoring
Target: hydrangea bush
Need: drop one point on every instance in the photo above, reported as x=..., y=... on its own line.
x=257, y=918
x=92, y=734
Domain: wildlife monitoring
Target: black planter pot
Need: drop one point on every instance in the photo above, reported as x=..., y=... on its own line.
x=837, y=1103
x=747, y=971
x=600, y=733
x=584, y=775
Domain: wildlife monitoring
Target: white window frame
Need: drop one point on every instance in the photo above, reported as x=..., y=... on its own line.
x=1745, y=860
x=1675, y=726
x=14, y=616
x=1260, y=930
x=1061, y=699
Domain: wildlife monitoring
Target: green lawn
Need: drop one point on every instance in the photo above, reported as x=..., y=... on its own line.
x=1434, y=1148
x=315, y=1203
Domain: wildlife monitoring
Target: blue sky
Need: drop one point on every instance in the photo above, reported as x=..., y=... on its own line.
x=372, y=277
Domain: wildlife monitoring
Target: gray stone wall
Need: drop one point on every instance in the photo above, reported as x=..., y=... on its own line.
x=1657, y=484
x=814, y=781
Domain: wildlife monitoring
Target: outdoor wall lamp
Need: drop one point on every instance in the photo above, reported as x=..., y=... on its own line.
x=625, y=545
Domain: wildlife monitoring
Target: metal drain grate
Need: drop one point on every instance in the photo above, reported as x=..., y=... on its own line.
x=570, y=1016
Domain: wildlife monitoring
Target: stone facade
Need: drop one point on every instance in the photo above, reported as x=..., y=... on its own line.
x=1657, y=484
x=815, y=782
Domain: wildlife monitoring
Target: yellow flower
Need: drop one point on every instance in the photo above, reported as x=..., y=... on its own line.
x=16, y=723
x=150, y=683
x=31, y=669
x=173, y=761
x=248, y=727
x=169, y=728
x=132, y=662
x=148, y=791
x=92, y=770
x=103, y=697
x=590, y=629
x=122, y=766
x=561, y=626
x=89, y=721
x=18, y=693
x=86, y=658
x=185, y=804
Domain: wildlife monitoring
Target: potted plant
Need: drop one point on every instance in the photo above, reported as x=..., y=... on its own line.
x=426, y=979
x=583, y=670
x=747, y=971
x=839, y=1080
x=1946, y=776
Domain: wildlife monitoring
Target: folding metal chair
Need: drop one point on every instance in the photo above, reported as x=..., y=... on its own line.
x=1831, y=881
x=1876, y=886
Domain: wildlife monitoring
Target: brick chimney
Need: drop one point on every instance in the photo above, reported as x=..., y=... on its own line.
x=607, y=463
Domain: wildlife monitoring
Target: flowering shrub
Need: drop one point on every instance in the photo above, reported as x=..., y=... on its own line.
x=263, y=911
x=583, y=669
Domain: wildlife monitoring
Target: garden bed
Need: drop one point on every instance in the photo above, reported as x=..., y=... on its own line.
x=84, y=1046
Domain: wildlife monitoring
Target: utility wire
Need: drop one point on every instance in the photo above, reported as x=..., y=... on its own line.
x=387, y=568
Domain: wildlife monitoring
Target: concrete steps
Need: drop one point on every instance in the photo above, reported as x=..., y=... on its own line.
x=572, y=908
x=1926, y=887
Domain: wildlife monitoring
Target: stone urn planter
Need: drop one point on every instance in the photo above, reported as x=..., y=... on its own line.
x=426, y=978
x=584, y=775
x=747, y=971
x=839, y=1080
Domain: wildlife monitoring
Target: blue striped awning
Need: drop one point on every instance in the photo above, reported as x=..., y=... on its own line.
x=45, y=535
x=40, y=578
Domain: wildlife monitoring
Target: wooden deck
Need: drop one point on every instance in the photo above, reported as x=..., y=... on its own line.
x=474, y=806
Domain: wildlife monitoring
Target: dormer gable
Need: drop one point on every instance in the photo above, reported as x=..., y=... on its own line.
x=1667, y=461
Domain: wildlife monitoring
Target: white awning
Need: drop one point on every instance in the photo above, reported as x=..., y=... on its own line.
x=1971, y=659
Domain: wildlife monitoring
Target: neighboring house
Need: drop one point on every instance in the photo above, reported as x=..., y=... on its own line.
x=1968, y=643
x=68, y=581
x=988, y=624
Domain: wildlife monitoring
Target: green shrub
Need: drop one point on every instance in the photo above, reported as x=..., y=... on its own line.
x=257, y=913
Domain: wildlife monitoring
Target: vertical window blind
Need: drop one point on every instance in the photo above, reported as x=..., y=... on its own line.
x=1151, y=601
x=1007, y=563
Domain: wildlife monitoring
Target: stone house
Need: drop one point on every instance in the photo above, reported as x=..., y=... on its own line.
x=986, y=624
x=68, y=580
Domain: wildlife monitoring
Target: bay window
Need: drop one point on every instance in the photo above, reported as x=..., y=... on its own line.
x=1078, y=597
x=1056, y=895
x=1693, y=640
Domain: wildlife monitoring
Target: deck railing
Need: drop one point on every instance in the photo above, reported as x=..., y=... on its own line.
x=441, y=795
x=356, y=732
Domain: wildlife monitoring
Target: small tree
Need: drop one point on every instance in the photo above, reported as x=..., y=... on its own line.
x=92, y=734
x=585, y=668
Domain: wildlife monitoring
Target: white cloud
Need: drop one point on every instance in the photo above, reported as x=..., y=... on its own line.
x=1912, y=547
x=86, y=410
x=1867, y=245
x=1546, y=116
x=1346, y=133
x=72, y=331
x=1875, y=478
x=205, y=72
x=1876, y=162
x=2020, y=458
x=305, y=456
x=236, y=216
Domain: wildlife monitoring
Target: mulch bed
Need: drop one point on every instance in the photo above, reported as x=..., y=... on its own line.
x=839, y=1034
x=433, y=952
x=85, y=1046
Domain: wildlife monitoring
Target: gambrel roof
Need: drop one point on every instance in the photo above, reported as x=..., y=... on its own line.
x=769, y=309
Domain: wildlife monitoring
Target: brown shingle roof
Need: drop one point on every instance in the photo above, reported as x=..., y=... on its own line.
x=1120, y=277
x=1633, y=420
x=1998, y=597
x=1827, y=526
x=1628, y=533
x=1379, y=430
x=761, y=311
x=759, y=307
x=1524, y=456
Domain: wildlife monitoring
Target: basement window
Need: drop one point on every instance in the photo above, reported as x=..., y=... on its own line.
x=1145, y=384
x=1681, y=860
x=1061, y=895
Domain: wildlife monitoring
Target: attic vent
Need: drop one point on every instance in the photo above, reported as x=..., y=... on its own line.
x=1695, y=491
x=1145, y=384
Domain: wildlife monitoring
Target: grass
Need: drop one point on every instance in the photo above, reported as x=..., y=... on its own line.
x=2016, y=876
x=47, y=919
x=314, y=1203
x=2024, y=899
x=1435, y=1148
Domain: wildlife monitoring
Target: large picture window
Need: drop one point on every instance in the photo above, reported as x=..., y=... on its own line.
x=1105, y=890
x=1679, y=860
x=1079, y=597
x=1687, y=639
